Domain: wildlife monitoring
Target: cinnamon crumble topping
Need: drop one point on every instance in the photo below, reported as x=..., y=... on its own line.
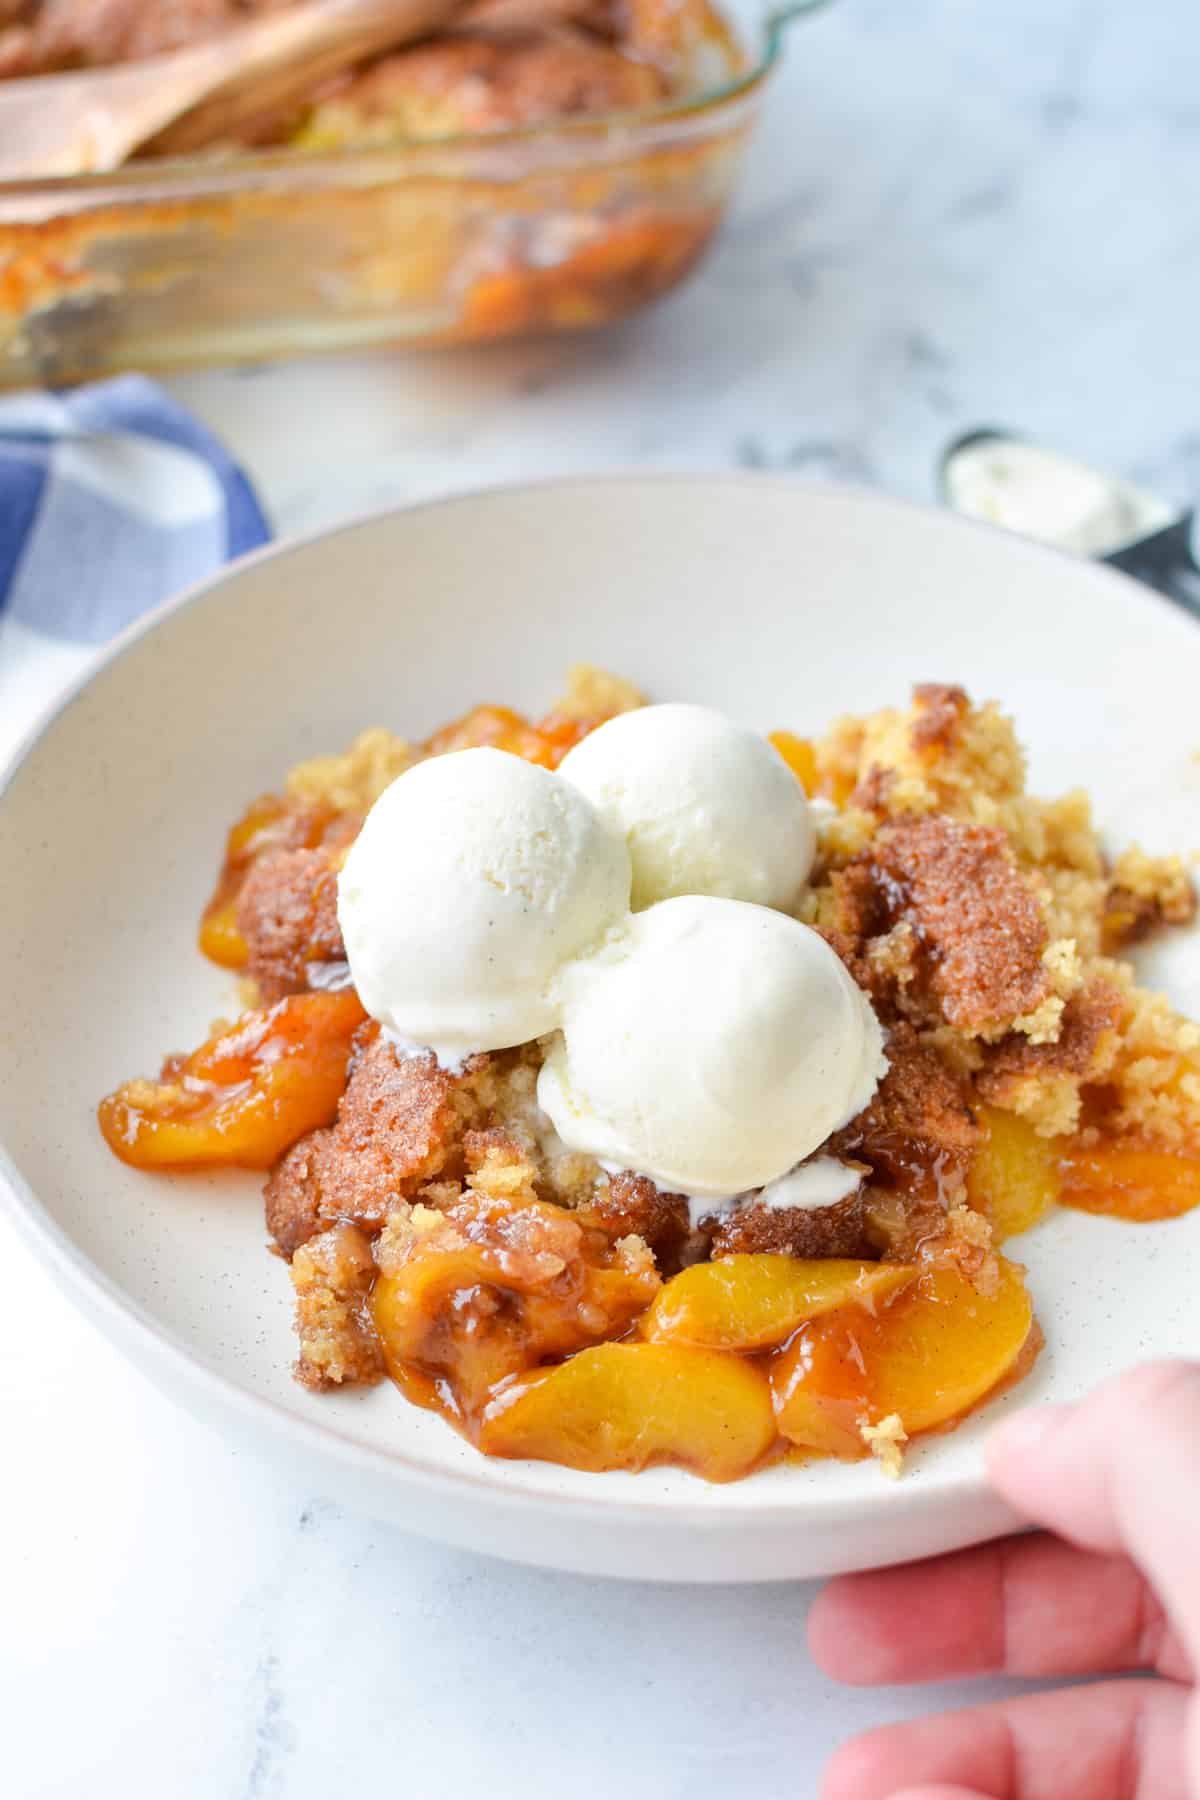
x=974, y=917
x=439, y=1231
x=837, y=1230
x=287, y=913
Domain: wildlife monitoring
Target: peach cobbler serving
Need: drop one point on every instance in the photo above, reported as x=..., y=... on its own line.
x=635, y=1089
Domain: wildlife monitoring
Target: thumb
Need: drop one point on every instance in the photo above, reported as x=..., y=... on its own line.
x=1120, y=1472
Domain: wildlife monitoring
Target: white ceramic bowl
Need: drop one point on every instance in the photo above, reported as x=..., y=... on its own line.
x=783, y=604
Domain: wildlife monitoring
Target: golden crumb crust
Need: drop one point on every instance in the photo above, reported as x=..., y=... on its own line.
x=333, y=1274
x=352, y=781
x=991, y=920
x=592, y=693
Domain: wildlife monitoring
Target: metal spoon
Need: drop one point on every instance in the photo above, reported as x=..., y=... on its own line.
x=92, y=121
x=1159, y=549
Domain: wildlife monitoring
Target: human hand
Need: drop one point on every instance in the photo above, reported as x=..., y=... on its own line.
x=1111, y=1583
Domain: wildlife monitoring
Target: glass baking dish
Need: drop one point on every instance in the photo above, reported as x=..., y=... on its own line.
x=453, y=240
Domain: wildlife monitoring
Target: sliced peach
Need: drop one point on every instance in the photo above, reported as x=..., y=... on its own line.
x=497, y=726
x=930, y=1357
x=561, y=732
x=245, y=1096
x=1014, y=1177
x=800, y=757
x=220, y=936
x=1131, y=1181
x=625, y=1406
x=750, y=1302
x=454, y=1355
x=546, y=743
x=490, y=1289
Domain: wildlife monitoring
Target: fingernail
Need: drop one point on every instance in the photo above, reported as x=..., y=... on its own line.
x=1028, y=1433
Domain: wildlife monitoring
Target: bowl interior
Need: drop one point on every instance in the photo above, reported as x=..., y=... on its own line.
x=782, y=604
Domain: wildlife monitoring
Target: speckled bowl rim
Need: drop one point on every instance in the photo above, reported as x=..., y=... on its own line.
x=135, y=1328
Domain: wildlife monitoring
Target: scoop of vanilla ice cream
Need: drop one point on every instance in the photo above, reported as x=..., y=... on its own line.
x=474, y=878
x=706, y=806
x=710, y=1045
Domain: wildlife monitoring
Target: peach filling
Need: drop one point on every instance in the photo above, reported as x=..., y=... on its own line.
x=546, y=1330
x=245, y=1096
x=926, y=1360
x=1129, y=1180
x=751, y=1302
x=539, y=1336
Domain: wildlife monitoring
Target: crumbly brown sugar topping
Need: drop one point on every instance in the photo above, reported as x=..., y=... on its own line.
x=976, y=921
x=987, y=917
x=939, y=711
x=287, y=913
x=438, y=1231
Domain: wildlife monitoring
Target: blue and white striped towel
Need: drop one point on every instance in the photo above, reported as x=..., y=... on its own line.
x=112, y=498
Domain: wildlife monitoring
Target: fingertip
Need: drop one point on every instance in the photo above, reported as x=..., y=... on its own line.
x=859, y=1770
x=1141, y=1392
x=861, y=1627
x=915, y=1622
x=830, y=1641
x=1026, y=1435
x=940, y=1793
x=1041, y=1459
x=865, y=1767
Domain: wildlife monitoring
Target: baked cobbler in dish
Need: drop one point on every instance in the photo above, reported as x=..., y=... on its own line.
x=495, y=65
x=633, y=1089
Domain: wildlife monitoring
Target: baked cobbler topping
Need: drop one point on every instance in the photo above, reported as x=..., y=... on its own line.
x=500, y=64
x=443, y=1228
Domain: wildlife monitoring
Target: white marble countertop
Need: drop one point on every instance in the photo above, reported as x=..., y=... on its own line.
x=954, y=214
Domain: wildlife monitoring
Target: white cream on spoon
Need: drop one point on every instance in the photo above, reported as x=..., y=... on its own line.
x=1055, y=499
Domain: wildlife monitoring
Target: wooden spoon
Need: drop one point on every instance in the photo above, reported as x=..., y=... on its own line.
x=92, y=121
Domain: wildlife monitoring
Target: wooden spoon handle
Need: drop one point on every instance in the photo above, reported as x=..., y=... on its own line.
x=75, y=124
